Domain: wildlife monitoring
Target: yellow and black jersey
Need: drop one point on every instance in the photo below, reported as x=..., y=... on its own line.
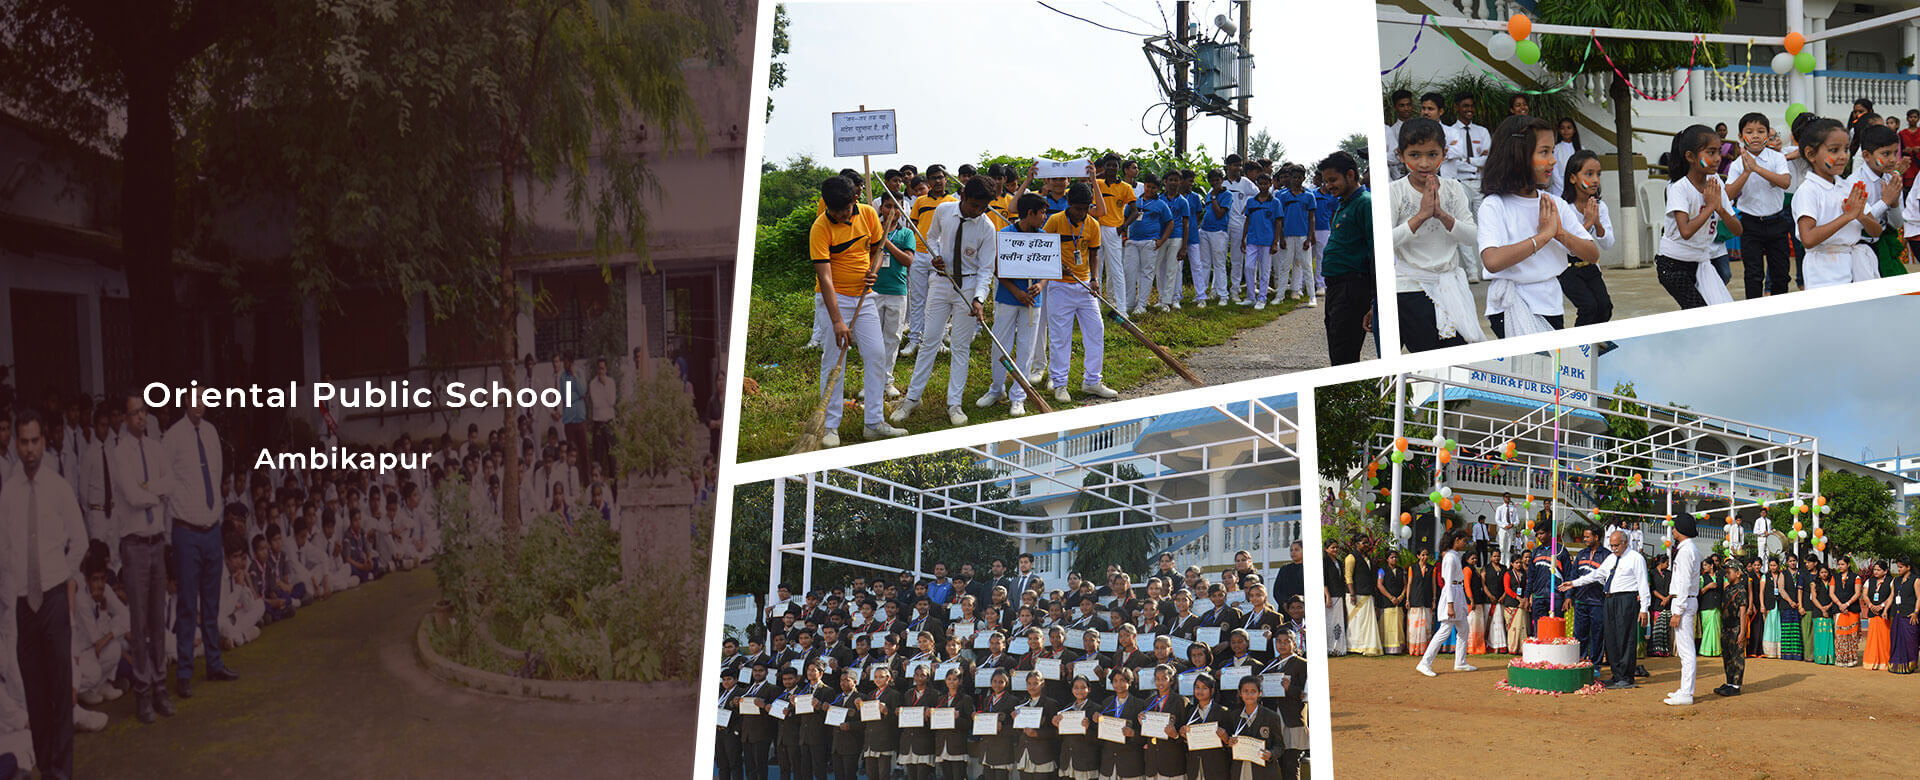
x=1116, y=195
x=923, y=207
x=1002, y=211
x=1077, y=245
x=848, y=247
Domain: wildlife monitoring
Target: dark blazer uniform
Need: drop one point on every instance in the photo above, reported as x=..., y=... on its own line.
x=816, y=737
x=1131, y=659
x=848, y=737
x=1265, y=725
x=1043, y=746
x=1292, y=709
x=757, y=732
x=953, y=741
x=1257, y=624
x=791, y=748
x=1184, y=627
x=1125, y=759
x=999, y=749
x=918, y=741
x=1058, y=690
x=1166, y=756
x=883, y=735
x=1207, y=764
x=1080, y=752
x=726, y=744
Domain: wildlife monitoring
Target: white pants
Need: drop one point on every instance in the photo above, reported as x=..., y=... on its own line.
x=946, y=307
x=1038, y=364
x=1209, y=256
x=873, y=375
x=1236, y=259
x=1171, y=287
x=1069, y=302
x=1506, y=547
x=1113, y=265
x=91, y=671
x=1142, y=262
x=822, y=329
x=1457, y=630
x=1293, y=270
x=1684, y=647
x=1259, y=266
x=1018, y=329
x=893, y=321
x=917, y=276
x=1319, y=277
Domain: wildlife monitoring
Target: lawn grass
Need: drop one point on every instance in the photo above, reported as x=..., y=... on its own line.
x=785, y=375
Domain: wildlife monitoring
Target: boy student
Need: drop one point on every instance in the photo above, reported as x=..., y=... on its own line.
x=890, y=282
x=1262, y=216
x=1174, y=188
x=1324, y=205
x=1350, y=296
x=1293, y=273
x=1148, y=232
x=963, y=245
x=1880, y=177
x=1209, y=249
x=1467, y=148
x=1074, y=297
x=1403, y=110
x=845, y=246
x=921, y=213
x=1757, y=180
x=1115, y=196
x=1243, y=190
x=1016, y=325
x=1431, y=222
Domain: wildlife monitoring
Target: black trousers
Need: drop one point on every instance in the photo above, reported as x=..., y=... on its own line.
x=46, y=670
x=1588, y=292
x=846, y=766
x=1540, y=609
x=1677, y=276
x=1419, y=327
x=1349, y=299
x=1766, y=253
x=1498, y=323
x=754, y=755
x=1623, y=633
x=1590, y=630
x=727, y=757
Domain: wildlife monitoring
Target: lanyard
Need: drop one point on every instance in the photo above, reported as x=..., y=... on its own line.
x=843, y=699
x=1199, y=713
x=1246, y=719
x=1119, y=704
x=1157, y=701
x=994, y=702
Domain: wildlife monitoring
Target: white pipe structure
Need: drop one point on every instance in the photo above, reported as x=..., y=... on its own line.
x=1467, y=23
x=962, y=503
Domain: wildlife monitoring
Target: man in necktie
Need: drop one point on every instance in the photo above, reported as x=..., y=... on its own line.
x=42, y=539
x=139, y=471
x=1627, y=602
x=964, y=245
x=199, y=557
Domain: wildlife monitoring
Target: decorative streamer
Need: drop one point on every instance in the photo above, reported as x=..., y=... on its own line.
x=1748, y=76
x=1422, y=30
x=1692, y=56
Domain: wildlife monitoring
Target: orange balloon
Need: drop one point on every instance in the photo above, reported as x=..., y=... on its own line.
x=1819, y=500
x=1796, y=525
x=1519, y=26
x=1794, y=42
x=1446, y=505
x=1446, y=457
x=1400, y=443
x=1406, y=517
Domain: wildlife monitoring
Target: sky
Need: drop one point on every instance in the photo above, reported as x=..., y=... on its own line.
x=1009, y=94
x=1846, y=374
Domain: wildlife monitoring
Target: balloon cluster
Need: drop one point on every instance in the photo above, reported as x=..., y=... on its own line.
x=1399, y=454
x=1514, y=42
x=1442, y=498
x=1795, y=57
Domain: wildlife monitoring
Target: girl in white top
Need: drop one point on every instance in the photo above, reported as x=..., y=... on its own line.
x=1696, y=208
x=1526, y=234
x=1567, y=143
x=1581, y=281
x=1830, y=215
x=1432, y=220
x=1452, y=610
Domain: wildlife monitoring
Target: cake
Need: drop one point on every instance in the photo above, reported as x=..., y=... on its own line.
x=1550, y=662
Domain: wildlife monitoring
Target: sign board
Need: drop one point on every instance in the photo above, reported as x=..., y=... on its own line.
x=1059, y=169
x=1028, y=256
x=857, y=133
x=1531, y=376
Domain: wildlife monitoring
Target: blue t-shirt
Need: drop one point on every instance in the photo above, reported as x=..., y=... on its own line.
x=1194, y=204
x=1296, y=212
x=1324, y=206
x=1154, y=216
x=1000, y=294
x=1055, y=205
x=1182, y=215
x=1208, y=220
x=1260, y=217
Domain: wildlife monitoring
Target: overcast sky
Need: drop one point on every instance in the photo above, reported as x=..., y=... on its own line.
x=1848, y=374
x=1028, y=79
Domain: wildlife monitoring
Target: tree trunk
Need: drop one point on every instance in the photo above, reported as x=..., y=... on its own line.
x=146, y=208
x=1623, y=131
x=509, y=337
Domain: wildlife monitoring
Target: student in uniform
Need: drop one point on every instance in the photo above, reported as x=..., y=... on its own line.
x=950, y=745
x=881, y=738
x=727, y=755
x=998, y=750
x=1431, y=221
x=963, y=249
x=1581, y=281
x=845, y=245
x=850, y=734
x=1079, y=753
x=789, y=733
x=1243, y=189
x=1166, y=753
x=1757, y=181
x=1696, y=208
x=890, y=283
x=1148, y=233
x=1526, y=235
x=1253, y=722
x=1075, y=298
x=1173, y=192
x=1877, y=175
x=1115, y=196
x=1208, y=247
x=1290, y=706
x=757, y=729
x=916, y=742
x=1037, y=754
x=1017, y=304
x=1294, y=275
x=1260, y=227
x=920, y=273
x=1124, y=760
x=1831, y=217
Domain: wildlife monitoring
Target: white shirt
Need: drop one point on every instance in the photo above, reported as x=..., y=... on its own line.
x=1685, y=199
x=1562, y=151
x=976, y=252
x=1910, y=213
x=600, y=394
x=61, y=536
x=1243, y=188
x=1503, y=516
x=1467, y=147
x=1758, y=197
x=1510, y=219
x=1821, y=200
x=195, y=496
x=1685, y=589
x=1433, y=248
x=1605, y=221
x=139, y=478
x=1876, y=186
x=1395, y=170
x=1453, y=588
x=94, y=487
x=1632, y=578
x=1479, y=532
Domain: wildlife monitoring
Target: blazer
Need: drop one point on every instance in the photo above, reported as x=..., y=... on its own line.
x=758, y=729
x=953, y=741
x=918, y=741
x=1125, y=759
x=1080, y=752
x=1164, y=756
x=1208, y=764
x=883, y=735
x=849, y=736
x=999, y=749
x=1043, y=747
x=1263, y=725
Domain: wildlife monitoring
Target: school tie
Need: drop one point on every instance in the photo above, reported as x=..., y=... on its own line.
x=206, y=474
x=145, y=474
x=953, y=270
x=35, y=590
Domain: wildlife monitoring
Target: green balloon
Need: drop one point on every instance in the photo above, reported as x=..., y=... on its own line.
x=1529, y=52
x=1452, y=444
x=1397, y=456
x=1795, y=110
x=1434, y=496
x=1803, y=61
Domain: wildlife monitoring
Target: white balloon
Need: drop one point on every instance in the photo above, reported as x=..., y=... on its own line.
x=1502, y=46
x=1406, y=532
x=1446, y=492
x=1782, y=63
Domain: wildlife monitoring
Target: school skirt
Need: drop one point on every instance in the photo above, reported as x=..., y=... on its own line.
x=1337, y=628
x=1822, y=641
x=1770, y=635
x=1806, y=636
x=1879, y=643
x=1710, y=633
x=1846, y=639
x=1905, y=655
x=1496, y=629
x=1393, y=630
x=1363, y=627
x=1477, y=629
x=1790, y=646
x=1419, y=628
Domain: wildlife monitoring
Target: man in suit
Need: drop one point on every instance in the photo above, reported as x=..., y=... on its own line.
x=1022, y=579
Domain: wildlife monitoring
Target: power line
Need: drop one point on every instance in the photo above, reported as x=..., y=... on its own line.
x=1092, y=22
x=1128, y=14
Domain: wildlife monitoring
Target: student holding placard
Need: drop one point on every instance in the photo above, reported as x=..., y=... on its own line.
x=1220, y=618
x=951, y=719
x=810, y=709
x=757, y=729
x=1291, y=704
x=1163, y=654
x=727, y=756
x=1037, y=748
x=993, y=721
x=1160, y=723
x=1126, y=758
x=1016, y=314
x=1261, y=622
x=879, y=714
x=848, y=733
x=955, y=657
x=1236, y=662
x=916, y=735
x=1079, y=747
x=1055, y=663
x=1203, y=729
x=1126, y=652
x=1093, y=664
x=1184, y=622
x=1253, y=733
x=788, y=753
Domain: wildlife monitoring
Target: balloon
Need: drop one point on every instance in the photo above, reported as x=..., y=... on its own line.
x=1821, y=546
x=1445, y=457
x=1528, y=52
x=1406, y=532
x=1529, y=498
x=1796, y=525
x=1795, y=41
x=1501, y=47
x=1826, y=510
x=1373, y=482
x=1434, y=496
x=1406, y=517
x=1803, y=62
x=1446, y=505
x=1519, y=26
x=1794, y=111
x=1819, y=500
x=1400, y=443
x=1398, y=456
x=1803, y=534
x=1782, y=63
x=1446, y=492
x=1451, y=444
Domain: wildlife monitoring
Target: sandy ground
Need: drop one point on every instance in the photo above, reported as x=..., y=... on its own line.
x=1795, y=720
x=1296, y=341
x=337, y=692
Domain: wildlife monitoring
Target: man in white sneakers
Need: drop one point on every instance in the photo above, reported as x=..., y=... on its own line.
x=962, y=243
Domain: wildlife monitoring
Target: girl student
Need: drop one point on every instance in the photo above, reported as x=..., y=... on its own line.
x=1566, y=143
x=1581, y=281
x=1758, y=180
x=950, y=745
x=1432, y=220
x=1206, y=712
x=1525, y=233
x=1831, y=217
x=1696, y=208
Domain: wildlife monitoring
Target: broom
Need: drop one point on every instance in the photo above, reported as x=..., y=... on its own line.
x=816, y=427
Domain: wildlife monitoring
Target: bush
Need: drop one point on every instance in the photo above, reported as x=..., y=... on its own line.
x=1490, y=97
x=780, y=252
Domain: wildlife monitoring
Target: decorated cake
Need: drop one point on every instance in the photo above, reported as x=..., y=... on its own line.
x=1550, y=662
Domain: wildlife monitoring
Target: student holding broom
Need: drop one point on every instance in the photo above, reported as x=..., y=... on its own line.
x=963, y=247
x=844, y=243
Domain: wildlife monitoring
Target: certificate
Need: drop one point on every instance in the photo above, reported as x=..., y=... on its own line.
x=943, y=717
x=940, y=672
x=1236, y=597
x=980, y=640
x=917, y=664
x=1208, y=636
x=1073, y=722
x=1110, y=728
x=1186, y=681
x=1180, y=646
x=1048, y=668
x=871, y=668
x=779, y=709
x=1027, y=717
x=983, y=677
x=1109, y=641
x=749, y=706
x=869, y=710
x=1018, y=646
x=836, y=716
x=953, y=611
x=986, y=724
x=803, y=705
x=1145, y=642
x=1248, y=749
x=1087, y=669
x=780, y=609
x=798, y=665
x=913, y=717
x=962, y=630
x=1203, y=736
x=1256, y=640
x=1230, y=677
x=1154, y=724
x=1273, y=686
x=1076, y=638
x=723, y=717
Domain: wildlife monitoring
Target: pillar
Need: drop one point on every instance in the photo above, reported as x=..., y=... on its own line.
x=1797, y=84
x=1813, y=16
x=1910, y=48
x=1218, y=508
x=1821, y=95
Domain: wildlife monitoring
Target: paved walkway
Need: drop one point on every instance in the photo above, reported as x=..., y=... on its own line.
x=1296, y=341
x=337, y=692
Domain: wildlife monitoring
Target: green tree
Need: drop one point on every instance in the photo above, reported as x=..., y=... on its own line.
x=1261, y=145
x=777, y=70
x=783, y=188
x=1564, y=53
x=1347, y=417
x=1610, y=490
x=1128, y=547
x=1861, y=520
x=1356, y=145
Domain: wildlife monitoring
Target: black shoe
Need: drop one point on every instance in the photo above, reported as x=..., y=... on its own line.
x=144, y=711
x=1731, y=691
x=161, y=703
x=1621, y=685
x=222, y=674
x=1640, y=671
x=183, y=687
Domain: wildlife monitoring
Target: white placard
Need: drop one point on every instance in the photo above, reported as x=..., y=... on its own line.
x=913, y=717
x=983, y=677
x=864, y=132
x=1073, y=722
x=1028, y=256
x=779, y=709
x=836, y=716
x=1109, y=641
x=1027, y=717
x=1018, y=646
x=1257, y=640
x=1111, y=728
x=1273, y=686
x=915, y=665
x=1144, y=642
x=1154, y=724
x=1186, y=681
x=1248, y=749
x=749, y=706
x=1236, y=597
x=986, y=724
x=953, y=611
x=1208, y=636
x=803, y=705
x=723, y=717
x=780, y=609
x=1076, y=638
x=1180, y=647
x=940, y=672
x=869, y=710
x=1230, y=677
x=1048, y=668
x=981, y=640
x=943, y=717
x=1203, y=736
x=1087, y=669
x=1058, y=169
x=963, y=630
